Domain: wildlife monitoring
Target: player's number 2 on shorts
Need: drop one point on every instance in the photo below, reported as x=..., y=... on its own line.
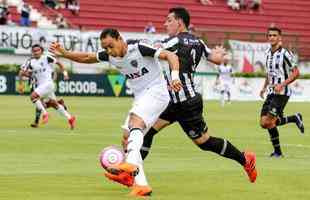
x=3, y=86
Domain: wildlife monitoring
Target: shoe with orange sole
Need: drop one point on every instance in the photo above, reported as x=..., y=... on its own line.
x=123, y=178
x=141, y=191
x=250, y=165
x=131, y=169
x=71, y=122
x=45, y=118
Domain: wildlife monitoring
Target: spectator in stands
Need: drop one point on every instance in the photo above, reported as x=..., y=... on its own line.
x=233, y=4
x=73, y=6
x=150, y=28
x=243, y=4
x=61, y=22
x=206, y=2
x=62, y=3
x=25, y=15
x=255, y=5
x=51, y=3
x=4, y=13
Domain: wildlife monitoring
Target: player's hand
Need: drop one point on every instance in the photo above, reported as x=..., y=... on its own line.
x=66, y=75
x=28, y=73
x=176, y=85
x=220, y=50
x=57, y=49
x=261, y=93
x=278, y=88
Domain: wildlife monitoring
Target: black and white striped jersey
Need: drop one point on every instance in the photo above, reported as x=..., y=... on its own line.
x=190, y=50
x=279, y=65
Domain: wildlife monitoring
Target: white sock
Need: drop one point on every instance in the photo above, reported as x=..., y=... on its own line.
x=61, y=110
x=135, y=142
x=140, y=179
x=222, y=99
x=40, y=106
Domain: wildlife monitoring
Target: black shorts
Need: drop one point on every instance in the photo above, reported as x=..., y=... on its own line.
x=274, y=105
x=189, y=114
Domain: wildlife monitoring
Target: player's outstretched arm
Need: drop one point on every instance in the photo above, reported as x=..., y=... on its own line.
x=216, y=55
x=174, y=65
x=80, y=57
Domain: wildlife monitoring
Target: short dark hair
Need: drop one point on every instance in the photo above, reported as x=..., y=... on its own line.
x=181, y=13
x=37, y=45
x=109, y=32
x=274, y=28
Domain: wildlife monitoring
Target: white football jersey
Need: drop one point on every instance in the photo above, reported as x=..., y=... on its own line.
x=138, y=65
x=41, y=68
x=225, y=73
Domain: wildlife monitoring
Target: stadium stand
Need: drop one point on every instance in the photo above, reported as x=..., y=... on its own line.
x=38, y=17
x=292, y=16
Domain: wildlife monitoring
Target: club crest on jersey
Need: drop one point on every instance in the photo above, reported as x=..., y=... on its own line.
x=134, y=63
x=137, y=74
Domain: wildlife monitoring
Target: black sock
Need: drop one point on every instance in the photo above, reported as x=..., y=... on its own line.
x=147, y=142
x=228, y=96
x=286, y=120
x=38, y=114
x=274, y=137
x=223, y=148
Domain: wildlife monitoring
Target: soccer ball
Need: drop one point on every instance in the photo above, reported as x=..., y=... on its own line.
x=110, y=156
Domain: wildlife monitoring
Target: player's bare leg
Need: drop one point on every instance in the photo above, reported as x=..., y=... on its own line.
x=35, y=98
x=61, y=110
x=60, y=101
x=268, y=122
x=46, y=105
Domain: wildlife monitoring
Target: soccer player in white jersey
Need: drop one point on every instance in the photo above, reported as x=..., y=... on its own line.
x=40, y=68
x=225, y=79
x=138, y=62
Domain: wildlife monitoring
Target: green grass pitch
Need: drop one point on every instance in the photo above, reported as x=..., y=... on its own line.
x=54, y=163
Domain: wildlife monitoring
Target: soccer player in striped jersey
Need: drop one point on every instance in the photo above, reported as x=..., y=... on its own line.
x=186, y=105
x=282, y=70
x=139, y=63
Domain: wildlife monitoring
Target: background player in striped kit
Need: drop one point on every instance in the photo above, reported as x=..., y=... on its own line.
x=282, y=70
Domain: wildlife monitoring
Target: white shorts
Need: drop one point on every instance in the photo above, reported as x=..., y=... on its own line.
x=149, y=105
x=46, y=90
